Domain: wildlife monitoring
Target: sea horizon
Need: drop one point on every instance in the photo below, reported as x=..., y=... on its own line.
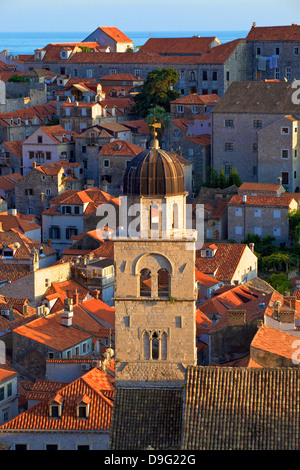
x=27, y=42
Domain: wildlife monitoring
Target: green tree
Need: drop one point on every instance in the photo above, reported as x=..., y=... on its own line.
x=18, y=78
x=53, y=122
x=157, y=91
x=222, y=182
x=233, y=178
x=280, y=282
x=294, y=224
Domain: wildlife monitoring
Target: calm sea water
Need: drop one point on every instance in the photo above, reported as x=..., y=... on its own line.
x=26, y=43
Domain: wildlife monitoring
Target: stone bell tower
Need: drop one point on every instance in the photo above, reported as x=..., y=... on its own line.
x=154, y=275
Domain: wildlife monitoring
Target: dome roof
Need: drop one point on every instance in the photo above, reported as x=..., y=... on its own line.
x=154, y=172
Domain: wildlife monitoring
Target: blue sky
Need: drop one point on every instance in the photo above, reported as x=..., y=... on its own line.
x=145, y=15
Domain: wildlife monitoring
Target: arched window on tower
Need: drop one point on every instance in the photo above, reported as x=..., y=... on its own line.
x=163, y=346
x=175, y=215
x=146, y=346
x=145, y=283
x=154, y=217
x=163, y=280
x=155, y=346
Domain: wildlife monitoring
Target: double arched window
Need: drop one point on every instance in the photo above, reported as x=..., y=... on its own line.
x=162, y=283
x=145, y=283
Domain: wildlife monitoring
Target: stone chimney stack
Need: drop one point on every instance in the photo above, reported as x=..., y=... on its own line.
x=236, y=317
x=76, y=298
x=251, y=246
x=34, y=260
x=287, y=316
x=67, y=314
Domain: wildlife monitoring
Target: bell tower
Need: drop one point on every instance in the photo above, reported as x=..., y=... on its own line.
x=155, y=337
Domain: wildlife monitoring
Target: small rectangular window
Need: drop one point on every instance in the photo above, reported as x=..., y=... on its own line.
x=228, y=146
x=284, y=153
x=257, y=123
x=229, y=123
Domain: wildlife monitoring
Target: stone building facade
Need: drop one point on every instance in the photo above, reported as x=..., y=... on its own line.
x=247, y=127
x=273, y=52
x=262, y=216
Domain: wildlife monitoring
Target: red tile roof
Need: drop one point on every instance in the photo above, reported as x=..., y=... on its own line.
x=129, y=77
x=194, y=98
x=219, y=54
x=192, y=45
x=15, y=147
x=39, y=111
x=50, y=331
x=262, y=201
x=89, y=385
x=274, y=33
x=224, y=263
x=203, y=324
x=274, y=341
x=259, y=187
x=6, y=373
x=99, y=309
x=204, y=279
x=121, y=148
x=18, y=221
x=115, y=33
x=203, y=139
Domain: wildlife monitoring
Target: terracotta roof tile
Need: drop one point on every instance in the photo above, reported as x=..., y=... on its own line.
x=236, y=408
x=192, y=45
x=224, y=263
x=88, y=385
x=121, y=147
x=262, y=201
x=144, y=417
x=274, y=33
x=274, y=341
x=194, y=98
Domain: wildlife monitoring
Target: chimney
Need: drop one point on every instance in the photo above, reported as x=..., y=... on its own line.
x=1, y=228
x=254, y=24
x=279, y=180
x=96, y=294
x=76, y=298
x=244, y=199
x=251, y=246
x=34, y=164
x=287, y=316
x=49, y=243
x=236, y=317
x=34, y=260
x=67, y=314
x=289, y=301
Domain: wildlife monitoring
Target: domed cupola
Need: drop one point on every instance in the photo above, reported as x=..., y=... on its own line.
x=154, y=172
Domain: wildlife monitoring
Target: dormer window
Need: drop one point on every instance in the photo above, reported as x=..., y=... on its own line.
x=55, y=406
x=83, y=407
x=7, y=253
